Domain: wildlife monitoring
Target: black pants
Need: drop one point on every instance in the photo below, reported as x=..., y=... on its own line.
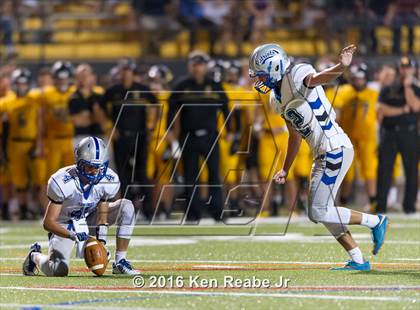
x=401, y=140
x=207, y=148
x=131, y=166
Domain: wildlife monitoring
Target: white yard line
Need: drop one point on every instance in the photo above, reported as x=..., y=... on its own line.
x=46, y=306
x=289, y=238
x=208, y=293
x=4, y=230
x=204, y=261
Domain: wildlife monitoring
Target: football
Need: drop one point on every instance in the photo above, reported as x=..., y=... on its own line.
x=95, y=256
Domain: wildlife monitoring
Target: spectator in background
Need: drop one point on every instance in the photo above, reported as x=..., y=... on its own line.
x=366, y=21
x=261, y=17
x=44, y=78
x=384, y=76
x=6, y=26
x=157, y=21
x=87, y=115
x=403, y=13
x=217, y=12
x=399, y=104
x=313, y=12
x=378, y=9
x=339, y=16
x=191, y=15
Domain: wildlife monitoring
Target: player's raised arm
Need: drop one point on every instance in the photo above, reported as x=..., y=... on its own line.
x=330, y=74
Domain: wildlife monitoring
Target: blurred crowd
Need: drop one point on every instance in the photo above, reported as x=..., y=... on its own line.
x=168, y=135
x=234, y=20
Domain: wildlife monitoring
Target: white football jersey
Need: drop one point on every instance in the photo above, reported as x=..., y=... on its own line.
x=64, y=188
x=309, y=111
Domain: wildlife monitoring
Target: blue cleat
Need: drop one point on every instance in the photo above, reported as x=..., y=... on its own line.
x=378, y=233
x=124, y=267
x=352, y=265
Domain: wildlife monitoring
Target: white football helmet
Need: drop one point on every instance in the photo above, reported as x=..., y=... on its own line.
x=92, y=159
x=268, y=63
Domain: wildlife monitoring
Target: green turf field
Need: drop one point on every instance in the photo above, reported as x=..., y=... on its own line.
x=198, y=267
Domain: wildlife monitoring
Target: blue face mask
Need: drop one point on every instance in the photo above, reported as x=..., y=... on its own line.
x=92, y=172
x=264, y=83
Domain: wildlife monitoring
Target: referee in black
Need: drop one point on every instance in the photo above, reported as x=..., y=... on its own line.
x=196, y=101
x=399, y=105
x=126, y=105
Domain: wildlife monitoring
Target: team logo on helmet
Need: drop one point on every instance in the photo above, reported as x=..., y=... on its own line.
x=263, y=58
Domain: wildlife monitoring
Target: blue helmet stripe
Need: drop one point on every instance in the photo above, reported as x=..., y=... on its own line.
x=96, y=146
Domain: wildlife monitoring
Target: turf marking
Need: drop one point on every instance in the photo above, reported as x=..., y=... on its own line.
x=275, y=238
x=48, y=306
x=228, y=294
x=246, y=262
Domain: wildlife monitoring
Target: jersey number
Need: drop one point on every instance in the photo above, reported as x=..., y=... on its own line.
x=297, y=120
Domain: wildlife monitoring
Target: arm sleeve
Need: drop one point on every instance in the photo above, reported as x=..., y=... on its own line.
x=54, y=191
x=301, y=71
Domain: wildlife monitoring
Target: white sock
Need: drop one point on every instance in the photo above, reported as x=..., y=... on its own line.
x=356, y=255
x=369, y=220
x=119, y=255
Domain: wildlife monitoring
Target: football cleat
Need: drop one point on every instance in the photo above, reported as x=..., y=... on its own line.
x=29, y=267
x=124, y=267
x=352, y=265
x=378, y=233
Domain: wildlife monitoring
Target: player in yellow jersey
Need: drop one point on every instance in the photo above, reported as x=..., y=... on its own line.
x=25, y=143
x=229, y=145
x=5, y=94
x=159, y=158
x=58, y=125
x=359, y=121
x=272, y=149
x=248, y=160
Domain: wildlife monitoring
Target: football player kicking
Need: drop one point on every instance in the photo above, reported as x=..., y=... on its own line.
x=297, y=94
x=80, y=206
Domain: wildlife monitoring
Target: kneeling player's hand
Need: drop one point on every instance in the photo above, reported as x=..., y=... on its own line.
x=78, y=237
x=280, y=177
